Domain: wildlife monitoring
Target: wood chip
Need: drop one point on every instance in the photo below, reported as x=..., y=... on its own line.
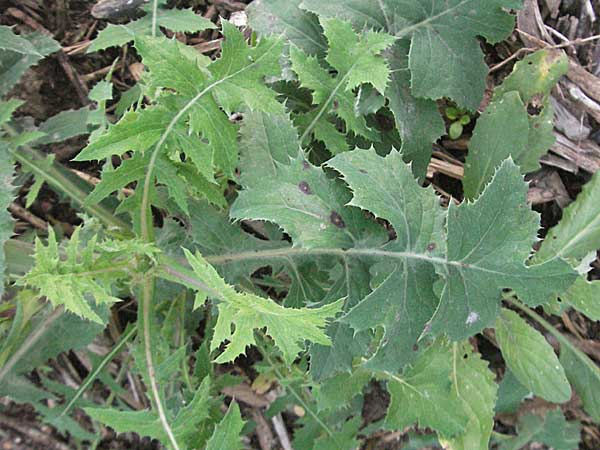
x=589, y=83
x=244, y=393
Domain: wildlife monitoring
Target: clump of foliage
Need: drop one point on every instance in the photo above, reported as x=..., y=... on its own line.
x=329, y=258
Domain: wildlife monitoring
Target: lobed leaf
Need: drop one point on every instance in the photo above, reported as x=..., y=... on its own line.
x=443, y=34
x=177, y=20
x=288, y=327
x=357, y=60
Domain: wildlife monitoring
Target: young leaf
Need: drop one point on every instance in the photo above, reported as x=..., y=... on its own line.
x=227, y=433
x=284, y=17
x=578, y=233
x=288, y=327
x=357, y=60
x=177, y=20
x=83, y=273
x=443, y=34
x=190, y=124
x=531, y=359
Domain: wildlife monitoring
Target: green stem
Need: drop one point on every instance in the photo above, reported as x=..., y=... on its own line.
x=93, y=374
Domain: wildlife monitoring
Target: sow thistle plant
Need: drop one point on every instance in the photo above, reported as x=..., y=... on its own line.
x=304, y=231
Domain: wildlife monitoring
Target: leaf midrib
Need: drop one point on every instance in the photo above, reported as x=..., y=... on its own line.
x=227, y=258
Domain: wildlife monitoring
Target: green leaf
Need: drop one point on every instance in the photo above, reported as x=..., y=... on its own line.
x=353, y=284
x=584, y=296
x=475, y=387
x=535, y=75
x=288, y=327
x=190, y=123
x=83, y=273
x=301, y=199
x=64, y=125
x=59, y=333
x=418, y=120
x=404, y=302
x=531, y=359
x=285, y=17
x=268, y=140
x=178, y=20
x=584, y=375
x=268, y=143
x=552, y=430
x=13, y=64
x=15, y=43
x=489, y=241
x=510, y=394
x=337, y=392
x=212, y=233
x=578, y=233
x=7, y=108
x=7, y=194
x=357, y=60
x=501, y=131
x=146, y=422
x=227, y=433
x=506, y=128
x=344, y=438
x=427, y=388
x=443, y=34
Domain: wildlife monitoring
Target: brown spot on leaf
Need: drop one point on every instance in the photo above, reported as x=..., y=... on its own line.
x=304, y=188
x=431, y=247
x=337, y=220
x=305, y=165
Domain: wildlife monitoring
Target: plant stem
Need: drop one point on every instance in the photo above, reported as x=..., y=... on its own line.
x=146, y=317
x=92, y=375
